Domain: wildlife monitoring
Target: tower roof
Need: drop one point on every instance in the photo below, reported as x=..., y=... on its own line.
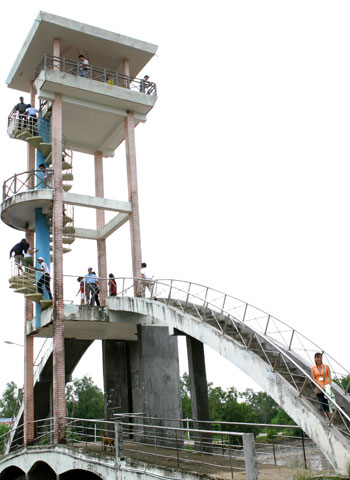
x=101, y=47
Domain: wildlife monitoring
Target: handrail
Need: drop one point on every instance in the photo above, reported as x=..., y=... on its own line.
x=104, y=75
x=28, y=180
x=166, y=290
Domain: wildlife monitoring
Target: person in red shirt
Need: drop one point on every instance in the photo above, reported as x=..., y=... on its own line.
x=112, y=285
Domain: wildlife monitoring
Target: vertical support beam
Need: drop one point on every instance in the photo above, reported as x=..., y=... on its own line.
x=135, y=233
x=56, y=51
x=250, y=456
x=159, y=364
x=199, y=388
x=100, y=222
x=59, y=399
x=116, y=378
x=28, y=394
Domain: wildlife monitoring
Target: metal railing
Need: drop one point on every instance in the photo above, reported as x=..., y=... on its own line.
x=110, y=77
x=24, y=181
x=154, y=444
x=178, y=443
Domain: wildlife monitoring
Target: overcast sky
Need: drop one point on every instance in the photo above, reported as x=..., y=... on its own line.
x=243, y=164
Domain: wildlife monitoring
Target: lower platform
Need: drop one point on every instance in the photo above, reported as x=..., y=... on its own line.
x=91, y=323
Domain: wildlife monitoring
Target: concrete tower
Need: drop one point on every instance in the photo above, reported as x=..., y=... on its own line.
x=90, y=107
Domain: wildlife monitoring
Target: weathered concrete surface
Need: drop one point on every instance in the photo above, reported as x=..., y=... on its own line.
x=198, y=381
x=159, y=365
x=116, y=378
x=333, y=444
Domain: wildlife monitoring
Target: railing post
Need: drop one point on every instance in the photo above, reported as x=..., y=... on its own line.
x=250, y=456
x=15, y=184
x=273, y=448
x=118, y=435
x=267, y=324
x=291, y=340
x=303, y=443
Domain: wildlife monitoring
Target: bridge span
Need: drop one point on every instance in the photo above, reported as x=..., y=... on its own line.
x=265, y=348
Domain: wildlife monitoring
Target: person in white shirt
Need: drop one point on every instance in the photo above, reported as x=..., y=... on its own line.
x=32, y=118
x=83, y=66
x=44, y=279
x=146, y=282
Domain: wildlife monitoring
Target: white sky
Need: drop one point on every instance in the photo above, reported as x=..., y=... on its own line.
x=243, y=164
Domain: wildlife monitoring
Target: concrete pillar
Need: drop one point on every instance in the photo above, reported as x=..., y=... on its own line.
x=116, y=377
x=199, y=391
x=198, y=379
x=135, y=233
x=250, y=456
x=28, y=394
x=100, y=222
x=59, y=398
x=159, y=364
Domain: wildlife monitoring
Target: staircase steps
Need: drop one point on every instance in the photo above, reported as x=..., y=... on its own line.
x=45, y=148
x=35, y=141
x=45, y=304
x=35, y=297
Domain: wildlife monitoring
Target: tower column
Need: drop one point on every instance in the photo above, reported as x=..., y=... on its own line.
x=28, y=394
x=100, y=221
x=130, y=149
x=59, y=397
x=135, y=233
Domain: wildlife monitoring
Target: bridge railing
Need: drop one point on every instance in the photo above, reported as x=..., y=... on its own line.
x=187, y=293
x=225, y=311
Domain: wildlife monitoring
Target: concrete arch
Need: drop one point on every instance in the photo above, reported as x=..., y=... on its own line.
x=41, y=471
x=77, y=474
x=12, y=473
x=333, y=444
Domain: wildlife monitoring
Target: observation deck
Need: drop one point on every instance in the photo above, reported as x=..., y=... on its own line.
x=102, y=94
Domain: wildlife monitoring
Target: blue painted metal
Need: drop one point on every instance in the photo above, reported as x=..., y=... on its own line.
x=42, y=229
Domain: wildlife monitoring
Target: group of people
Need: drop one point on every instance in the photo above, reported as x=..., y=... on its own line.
x=89, y=288
x=27, y=115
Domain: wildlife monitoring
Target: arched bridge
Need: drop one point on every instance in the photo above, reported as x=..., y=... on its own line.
x=274, y=355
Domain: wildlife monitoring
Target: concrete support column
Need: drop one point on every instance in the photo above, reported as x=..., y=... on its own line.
x=59, y=398
x=199, y=391
x=28, y=394
x=135, y=233
x=100, y=222
x=159, y=364
x=116, y=377
x=31, y=148
x=56, y=52
x=198, y=379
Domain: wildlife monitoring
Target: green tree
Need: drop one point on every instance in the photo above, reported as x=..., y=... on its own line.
x=186, y=396
x=263, y=405
x=11, y=400
x=84, y=399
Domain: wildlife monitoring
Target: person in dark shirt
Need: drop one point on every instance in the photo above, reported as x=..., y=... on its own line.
x=18, y=250
x=22, y=117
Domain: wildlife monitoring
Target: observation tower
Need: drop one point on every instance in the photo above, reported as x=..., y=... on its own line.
x=91, y=107
x=94, y=107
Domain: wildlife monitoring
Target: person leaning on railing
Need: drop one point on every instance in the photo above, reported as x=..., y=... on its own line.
x=20, y=108
x=321, y=374
x=83, y=66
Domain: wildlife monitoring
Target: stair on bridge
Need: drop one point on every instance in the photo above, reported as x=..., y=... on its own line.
x=266, y=350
